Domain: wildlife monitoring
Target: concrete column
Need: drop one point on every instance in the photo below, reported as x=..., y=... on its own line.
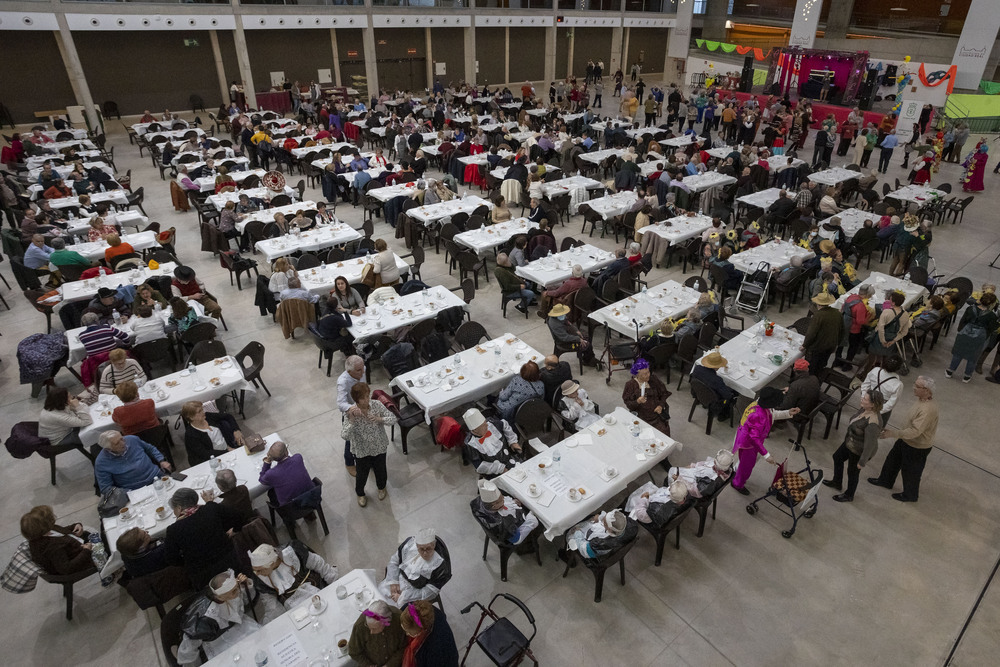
x=714, y=26
x=615, y=60
x=470, y=55
x=838, y=19
x=77, y=95
x=550, y=60
x=506, y=55
x=243, y=59
x=679, y=39
x=626, y=64
x=71, y=59
x=336, y=57
x=220, y=69
x=569, y=52
x=428, y=47
x=371, y=62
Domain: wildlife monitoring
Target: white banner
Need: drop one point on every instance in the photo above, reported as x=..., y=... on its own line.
x=679, y=41
x=909, y=113
x=976, y=42
x=805, y=23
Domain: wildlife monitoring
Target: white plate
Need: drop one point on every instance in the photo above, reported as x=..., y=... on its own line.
x=610, y=420
x=316, y=612
x=487, y=374
x=544, y=464
x=536, y=494
x=574, y=500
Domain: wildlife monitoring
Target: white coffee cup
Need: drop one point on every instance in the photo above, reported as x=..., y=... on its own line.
x=533, y=489
x=573, y=493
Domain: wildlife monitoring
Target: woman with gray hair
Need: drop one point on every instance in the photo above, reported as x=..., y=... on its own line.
x=377, y=638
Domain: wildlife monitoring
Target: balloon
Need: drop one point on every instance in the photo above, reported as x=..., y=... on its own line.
x=906, y=59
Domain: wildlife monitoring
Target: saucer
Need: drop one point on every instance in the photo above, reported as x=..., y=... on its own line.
x=316, y=612
x=610, y=420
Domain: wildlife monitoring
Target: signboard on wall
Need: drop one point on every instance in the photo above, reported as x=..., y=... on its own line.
x=440, y=69
x=976, y=42
x=909, y=113
x=324, y=75
x=804, y=23
x=277, y=78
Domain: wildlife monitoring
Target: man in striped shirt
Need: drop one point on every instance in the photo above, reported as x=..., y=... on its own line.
x=97, y=337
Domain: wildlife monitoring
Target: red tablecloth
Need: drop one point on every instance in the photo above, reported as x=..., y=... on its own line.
x=276, y=101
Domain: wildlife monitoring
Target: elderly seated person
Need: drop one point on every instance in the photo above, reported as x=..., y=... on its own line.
x=804, y=390
x=37, y=254
x=208, y=434
x=134, y=415
x=553, y=374
x=106, y=303
x=377, y=637
x=127, y=462
x=285, y=475
x=233, y=495
x=221, y=620
x=121, y=369
x=55, y=549
x=296, y=291
x=98, y=338
x=575, y=406
x=61, y=257
x=417, y=570
x=703, y=478
x=733, y=275
x=141, y=554
x=511, y=285
x=502, y=515
x=292, y=574
x=658, y=504
x=145, y=324
x=188, y=286
x=493, y=445
x=706, y=371
x=62, y=417
x=646, y=395
x=199, y=540
x=521, y=388
x=566, y=333
x=601, y=534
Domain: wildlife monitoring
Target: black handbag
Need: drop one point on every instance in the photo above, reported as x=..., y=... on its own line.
x=112, y=501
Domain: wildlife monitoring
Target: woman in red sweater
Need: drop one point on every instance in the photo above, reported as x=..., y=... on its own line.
x=136, y=415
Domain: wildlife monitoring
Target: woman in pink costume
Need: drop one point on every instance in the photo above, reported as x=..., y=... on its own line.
x=975, y=167
x=755, y=426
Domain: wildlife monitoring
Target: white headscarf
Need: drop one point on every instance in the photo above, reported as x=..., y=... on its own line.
x=414, y=565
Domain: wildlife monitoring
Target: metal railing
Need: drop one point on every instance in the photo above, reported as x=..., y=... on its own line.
x=420, y=3
x=329, y=3
x=514, y=4
x=946, y=25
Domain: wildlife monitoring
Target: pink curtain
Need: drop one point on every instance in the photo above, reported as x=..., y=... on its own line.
x=841, y=69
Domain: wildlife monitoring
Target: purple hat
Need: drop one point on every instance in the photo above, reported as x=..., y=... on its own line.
x=638, y=365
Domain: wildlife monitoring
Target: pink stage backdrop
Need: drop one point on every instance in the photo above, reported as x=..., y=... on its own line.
x=841, y=69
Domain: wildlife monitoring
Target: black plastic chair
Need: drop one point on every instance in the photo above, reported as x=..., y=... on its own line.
x=205, y=351
x=295, y=510
x=531, y=542
x=67, y=581
x=171, y=631
x=535, y=418
x=702, y=504
x=469, y=334
x=704, y=396
x=253, y=351
x=660, y=533
x=601, y=565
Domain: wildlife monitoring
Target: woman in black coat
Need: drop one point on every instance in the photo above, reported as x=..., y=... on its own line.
x=432, y=643
x=208, y=434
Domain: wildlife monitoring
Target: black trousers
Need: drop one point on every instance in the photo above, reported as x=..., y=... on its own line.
x=908, y=460
x=364, y=465
x=842, y=455
x=817, y=359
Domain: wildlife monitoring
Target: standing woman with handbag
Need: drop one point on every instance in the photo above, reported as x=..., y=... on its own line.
x=893, y=325
x=977, y=323
x=365, y=430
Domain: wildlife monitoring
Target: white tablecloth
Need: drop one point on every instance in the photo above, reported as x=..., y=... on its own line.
x=558, y=268
x=682, y=141
x=750, y=371
x=64, y=170
x=852, y=219
x=883, y=282
x=218, y=162
x=834, y=176
x=578, y=188
x=761, y=199
x=228, y=154
x=144, y=501
x=349, y=176
x=710, y=179
x=219, y=200
x=649, y=308
x=775, y=162
x=682, y=228
x=325, y=236
x=207, y=183
x=435, y=212
x=445, y=385
x=54, y=134
x=143, y=128
x=114, y=196
x=777, y=253
x=610, y=206
x=481, y=158
x=406, y=311
x=79, y=144
x=336, y=148
x=918, y=194
x=35, y=162
x=95, y=250
x=335, y=624
x=79, y=290
x=267, y=215
x=81, y=226
x=485, y=239
x=320, y=281
x=388, y=192
x=585, y=457
x=345, y=159
x=77, y=352
x=230, y=379
x=501, y=172
x=597, y=157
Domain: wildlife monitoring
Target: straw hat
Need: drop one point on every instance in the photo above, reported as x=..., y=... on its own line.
x=714, y=360
x=826, y=246
x=559, y=310
x=569, y=387
x=824, y=299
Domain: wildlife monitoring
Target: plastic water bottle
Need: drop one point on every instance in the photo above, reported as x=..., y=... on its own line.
x=116, y=316
x=556, y=456
x=496, y=356
x=701, y=211
x=213, y=463
x=322, y=266
x=191, y=369
x=71, y=215
x=157, y=307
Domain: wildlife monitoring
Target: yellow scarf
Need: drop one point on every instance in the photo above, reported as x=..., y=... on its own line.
x=746, y=413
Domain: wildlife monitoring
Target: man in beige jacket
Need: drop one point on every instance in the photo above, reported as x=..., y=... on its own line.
x=914, y=441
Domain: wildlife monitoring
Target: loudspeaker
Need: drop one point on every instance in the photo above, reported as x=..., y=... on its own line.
x=867, y=91
x=746, y=76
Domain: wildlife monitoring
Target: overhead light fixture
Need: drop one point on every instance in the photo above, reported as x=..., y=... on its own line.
x=752, y=4
x=898, y=9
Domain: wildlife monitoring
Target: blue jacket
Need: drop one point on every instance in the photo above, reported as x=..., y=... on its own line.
x=132, y=470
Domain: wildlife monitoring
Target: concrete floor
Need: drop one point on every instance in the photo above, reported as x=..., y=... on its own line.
x=873, y=582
